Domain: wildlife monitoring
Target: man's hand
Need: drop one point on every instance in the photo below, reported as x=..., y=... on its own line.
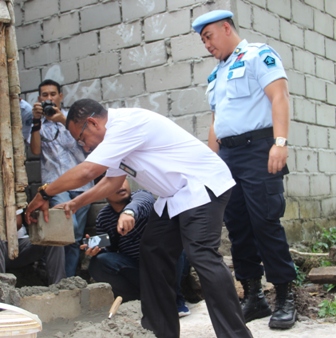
x=90, y=251
x=277, y=159
x=37, y=203
x=37, y=110
x=69, y=207
x=57, y=117
x=125, y=224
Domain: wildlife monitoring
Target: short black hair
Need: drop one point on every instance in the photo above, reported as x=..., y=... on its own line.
x=230, y=22
x=49, y=82
x=81, y=109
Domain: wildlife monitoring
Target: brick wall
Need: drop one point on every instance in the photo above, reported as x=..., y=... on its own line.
x=144, y=53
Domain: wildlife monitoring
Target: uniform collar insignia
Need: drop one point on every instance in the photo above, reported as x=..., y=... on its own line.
x=237, y=50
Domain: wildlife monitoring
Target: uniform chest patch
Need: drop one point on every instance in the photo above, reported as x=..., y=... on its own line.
x=269, y=61
x=239, y=57
x=212, y=76
x=237, y=65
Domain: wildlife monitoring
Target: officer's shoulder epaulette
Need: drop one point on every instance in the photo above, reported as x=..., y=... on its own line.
x=257, y=45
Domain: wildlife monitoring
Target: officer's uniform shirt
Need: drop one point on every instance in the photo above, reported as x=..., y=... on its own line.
x=236, y=89
x=162, y=157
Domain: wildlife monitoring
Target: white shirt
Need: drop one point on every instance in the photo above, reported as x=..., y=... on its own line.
x=163, y=158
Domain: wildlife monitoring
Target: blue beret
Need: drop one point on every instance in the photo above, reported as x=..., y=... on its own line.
x=210, y=17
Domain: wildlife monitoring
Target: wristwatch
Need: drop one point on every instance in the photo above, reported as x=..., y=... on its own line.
x=129, y=212
x=280, y=141
x=44, y=195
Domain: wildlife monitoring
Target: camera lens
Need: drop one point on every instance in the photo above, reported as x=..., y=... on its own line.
x=48, y=109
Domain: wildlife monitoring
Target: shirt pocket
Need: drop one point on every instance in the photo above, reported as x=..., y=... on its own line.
x=237, y=84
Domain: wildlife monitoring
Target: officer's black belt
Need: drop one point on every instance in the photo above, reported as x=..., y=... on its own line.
x=246, y=138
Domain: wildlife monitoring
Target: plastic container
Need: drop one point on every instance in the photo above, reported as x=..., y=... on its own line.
x=16, y=322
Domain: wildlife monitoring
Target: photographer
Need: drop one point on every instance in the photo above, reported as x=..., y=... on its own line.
x=59, y=153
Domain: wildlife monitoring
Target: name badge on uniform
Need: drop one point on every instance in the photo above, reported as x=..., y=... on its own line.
x=213, y=75
x=127, y=169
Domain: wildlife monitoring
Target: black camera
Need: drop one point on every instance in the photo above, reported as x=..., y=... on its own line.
x=47, y=107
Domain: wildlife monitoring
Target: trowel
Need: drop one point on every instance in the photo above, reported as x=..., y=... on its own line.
x=115, y=306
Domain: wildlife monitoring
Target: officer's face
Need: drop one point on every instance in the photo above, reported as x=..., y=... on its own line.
x=215, y=37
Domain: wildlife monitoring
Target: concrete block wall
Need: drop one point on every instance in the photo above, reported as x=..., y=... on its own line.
x=144, y=53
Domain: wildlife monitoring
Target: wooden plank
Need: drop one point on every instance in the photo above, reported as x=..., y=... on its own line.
x=323, y=275
x=4, y=13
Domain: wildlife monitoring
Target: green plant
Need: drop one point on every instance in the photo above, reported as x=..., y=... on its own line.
x=327, y=308
x=300, y=276
x=327, y=240
x=329, y=287
x=326, y=262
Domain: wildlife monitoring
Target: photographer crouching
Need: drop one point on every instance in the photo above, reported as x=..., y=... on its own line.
x=59, y=152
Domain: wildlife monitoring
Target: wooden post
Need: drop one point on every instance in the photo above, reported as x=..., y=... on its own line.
x=7, y=151
x=21, y=180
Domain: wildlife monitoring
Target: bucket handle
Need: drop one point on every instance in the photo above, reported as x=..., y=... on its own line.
x=22, y=311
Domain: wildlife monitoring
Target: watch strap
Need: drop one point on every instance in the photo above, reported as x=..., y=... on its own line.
x=43, y=193
x=129, y=212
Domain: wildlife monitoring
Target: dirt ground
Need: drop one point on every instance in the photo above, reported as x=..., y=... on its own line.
x=127, y=321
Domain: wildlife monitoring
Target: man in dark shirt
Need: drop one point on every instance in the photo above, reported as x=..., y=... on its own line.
x=118, y=264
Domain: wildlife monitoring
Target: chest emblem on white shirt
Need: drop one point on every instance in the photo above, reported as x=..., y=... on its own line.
x=238, y=62
x=212, y=76
x=127, y=169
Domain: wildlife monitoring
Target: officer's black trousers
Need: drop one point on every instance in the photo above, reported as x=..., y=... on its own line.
x=199, y=230
x=253, y=213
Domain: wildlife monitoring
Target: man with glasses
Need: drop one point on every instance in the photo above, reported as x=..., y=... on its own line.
x=59, y=152
x=188, y=214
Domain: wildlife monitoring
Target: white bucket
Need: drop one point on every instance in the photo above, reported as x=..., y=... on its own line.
x=16, y=322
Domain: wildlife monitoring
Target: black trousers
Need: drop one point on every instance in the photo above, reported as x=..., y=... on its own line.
x=198, y=230
x=253, y=213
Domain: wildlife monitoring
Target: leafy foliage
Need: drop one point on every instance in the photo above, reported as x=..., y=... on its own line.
x=327, y=308
x=300, y=276
x=327, y=240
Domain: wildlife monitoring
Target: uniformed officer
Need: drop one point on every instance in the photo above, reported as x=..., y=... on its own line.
x=248, y=95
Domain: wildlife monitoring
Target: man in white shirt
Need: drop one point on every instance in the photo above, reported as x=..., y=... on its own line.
x=193, y=185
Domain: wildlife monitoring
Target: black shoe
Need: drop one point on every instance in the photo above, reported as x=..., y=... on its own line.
x=254, y=304
x=284, y=314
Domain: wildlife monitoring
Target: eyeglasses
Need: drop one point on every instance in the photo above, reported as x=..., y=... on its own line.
x=79, y=141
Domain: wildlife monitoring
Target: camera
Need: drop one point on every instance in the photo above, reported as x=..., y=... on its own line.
x=47, y=107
